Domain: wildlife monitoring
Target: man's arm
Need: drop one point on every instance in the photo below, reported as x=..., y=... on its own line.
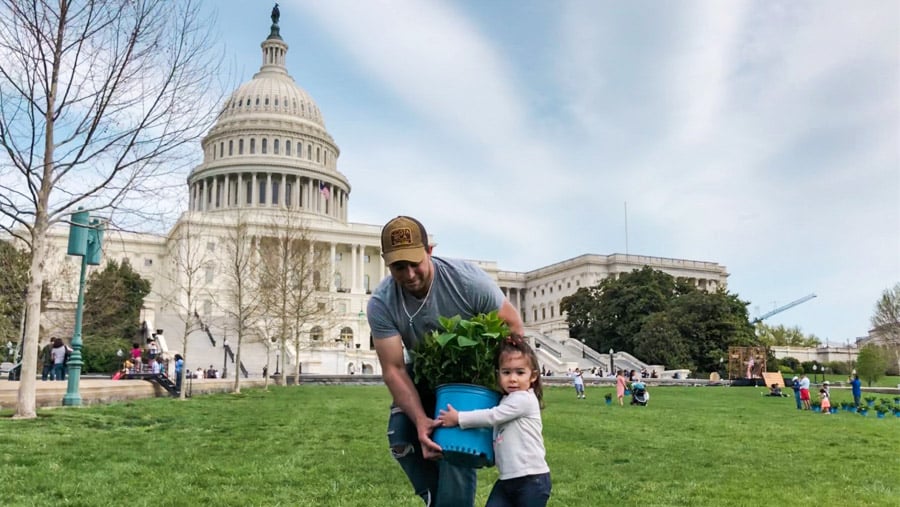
x=511, y=316
x=393, y=371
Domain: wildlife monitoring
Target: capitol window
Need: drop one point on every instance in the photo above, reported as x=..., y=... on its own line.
x=240, y=146
x=287, y=148
x=252, y=146
x=265, y=145
x=230, y=148
x=275, y=146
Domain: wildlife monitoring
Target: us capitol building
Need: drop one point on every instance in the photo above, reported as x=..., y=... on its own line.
x=268, y=160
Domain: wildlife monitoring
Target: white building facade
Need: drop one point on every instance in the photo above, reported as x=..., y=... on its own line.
x=270, y=156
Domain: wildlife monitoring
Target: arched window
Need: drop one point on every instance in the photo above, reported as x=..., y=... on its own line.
x=221, y=149
x=275, y=185
x=262, y=191
x=240, y=146
x=315, y=334
x=265, y=145
x=252, y=146
x=309, y=152
x=347, y=336
x=318, y=153
x=230, y=147
x=287, y=148
x=275, y=146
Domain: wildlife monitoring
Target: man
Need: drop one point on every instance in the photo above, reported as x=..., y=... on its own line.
x=795, y=385
x=403, y=309
x=804, y=392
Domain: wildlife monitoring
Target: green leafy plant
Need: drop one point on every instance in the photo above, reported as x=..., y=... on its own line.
x=463, y=352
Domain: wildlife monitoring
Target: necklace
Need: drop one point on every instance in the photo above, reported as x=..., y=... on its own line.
x=403, y=300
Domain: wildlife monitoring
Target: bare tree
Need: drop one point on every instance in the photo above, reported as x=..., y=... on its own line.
x=99, y=101
x=886, y=320
x=241, y=297
x=187, y=284
x=292, y=279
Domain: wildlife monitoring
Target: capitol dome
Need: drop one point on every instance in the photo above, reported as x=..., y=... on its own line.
x=269, y=148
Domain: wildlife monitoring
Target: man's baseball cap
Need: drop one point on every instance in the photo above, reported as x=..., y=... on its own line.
x=403, y=239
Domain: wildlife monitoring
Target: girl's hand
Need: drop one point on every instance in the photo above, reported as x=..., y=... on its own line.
x=449, y=418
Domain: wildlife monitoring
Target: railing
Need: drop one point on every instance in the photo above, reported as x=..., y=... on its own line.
x=228, y=352
x=541, y=343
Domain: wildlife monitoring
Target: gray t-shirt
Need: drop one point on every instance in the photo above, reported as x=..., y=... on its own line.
x=459, y=288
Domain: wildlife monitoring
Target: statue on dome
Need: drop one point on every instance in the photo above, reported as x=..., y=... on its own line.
x=276, y=14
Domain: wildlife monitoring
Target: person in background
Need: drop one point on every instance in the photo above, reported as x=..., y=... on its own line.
x=804, y=391
x=136, y=353
x=856, y=388
x=518, y=443
x=46, y=359
x=825, y=400
x=795, y=385
x=578, y=380
x=58, y=353
x=179, y=366
x=403, y=309
x=620, y=387
x=152, y=349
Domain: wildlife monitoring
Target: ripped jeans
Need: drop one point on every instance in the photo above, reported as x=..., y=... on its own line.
x=438, y=483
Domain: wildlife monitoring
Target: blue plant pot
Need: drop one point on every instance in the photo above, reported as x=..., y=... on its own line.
x=474, y=447
x=817, y=409
x=608, y=402
x=881, y=415
x=870, y=403
x=834, y=410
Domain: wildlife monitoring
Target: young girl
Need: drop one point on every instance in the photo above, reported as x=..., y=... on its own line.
x=826, y=403
x=518, y=443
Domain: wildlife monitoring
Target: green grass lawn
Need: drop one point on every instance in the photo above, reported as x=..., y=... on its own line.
x=326, y=446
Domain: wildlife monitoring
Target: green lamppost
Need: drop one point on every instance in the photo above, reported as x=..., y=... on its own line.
x=85, y=240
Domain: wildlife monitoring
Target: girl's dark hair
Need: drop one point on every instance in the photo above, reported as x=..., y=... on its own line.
x=516, y=343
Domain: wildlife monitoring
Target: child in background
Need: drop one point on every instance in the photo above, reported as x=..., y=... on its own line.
x=826, y=402
x=518, y=443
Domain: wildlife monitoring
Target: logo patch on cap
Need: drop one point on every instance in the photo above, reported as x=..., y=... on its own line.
x=401, y=237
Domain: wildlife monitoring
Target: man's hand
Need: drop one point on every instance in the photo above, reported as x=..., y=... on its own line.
x=449, y=418
x=430, y=449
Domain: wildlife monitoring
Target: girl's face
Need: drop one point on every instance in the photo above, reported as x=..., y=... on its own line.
x=515, y=372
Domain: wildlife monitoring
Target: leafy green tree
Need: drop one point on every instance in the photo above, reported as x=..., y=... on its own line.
x=113, y=299
x=871, y=363
x=784, y=336
x=660, y=342
x=620, y=307
x=710, y=323
x=659, y=318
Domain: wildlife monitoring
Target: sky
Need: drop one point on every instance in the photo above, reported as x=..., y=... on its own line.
x=764, y=136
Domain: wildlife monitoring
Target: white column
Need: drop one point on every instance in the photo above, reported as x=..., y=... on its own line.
x=361, y=278
x=282, y=191
x=331, y=287
x=215, y=191
x=254, y=194
x=240, y=190
x=203, y=200
x=353, y=284
x=268, y=189
x=227, y=196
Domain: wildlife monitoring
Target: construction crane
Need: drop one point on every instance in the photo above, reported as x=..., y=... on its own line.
x=783, y=308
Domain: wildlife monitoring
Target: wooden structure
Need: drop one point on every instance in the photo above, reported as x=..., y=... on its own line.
x=746, y=362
